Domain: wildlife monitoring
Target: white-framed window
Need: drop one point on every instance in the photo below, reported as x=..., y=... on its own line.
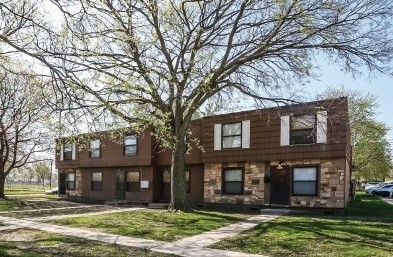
x=95, y=148
x=232, y=135
x=304, y=129
x=305, y=181
x=130, y=145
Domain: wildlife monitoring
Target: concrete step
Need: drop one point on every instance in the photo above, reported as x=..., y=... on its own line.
x=158, y=205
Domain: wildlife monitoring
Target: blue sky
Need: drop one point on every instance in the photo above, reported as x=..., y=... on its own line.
x=379, y=85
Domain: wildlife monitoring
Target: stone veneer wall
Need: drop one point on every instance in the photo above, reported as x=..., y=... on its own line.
x=253, y=183
x=332, y=184
x=78, y=184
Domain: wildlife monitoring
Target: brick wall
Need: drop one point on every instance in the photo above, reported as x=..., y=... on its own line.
x=253, y=183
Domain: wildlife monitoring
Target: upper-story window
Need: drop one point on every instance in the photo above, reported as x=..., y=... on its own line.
x=67, y=152
x=232, y=135
x=95, y=148
x=303, y=129
x=130, y=144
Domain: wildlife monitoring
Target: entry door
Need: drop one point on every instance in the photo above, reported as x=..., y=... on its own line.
x=279, y=185
x=62, y=183
x=166, y=186
x=120, y=184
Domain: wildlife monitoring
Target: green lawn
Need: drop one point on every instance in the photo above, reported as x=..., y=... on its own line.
x=29, y=243
x=18, y=204
x=156, y=224
x=365, y=230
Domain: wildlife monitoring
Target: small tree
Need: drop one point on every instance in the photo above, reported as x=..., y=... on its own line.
x=22, y=115
x=41, y=170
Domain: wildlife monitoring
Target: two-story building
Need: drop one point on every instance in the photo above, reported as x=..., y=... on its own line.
x=297, y=155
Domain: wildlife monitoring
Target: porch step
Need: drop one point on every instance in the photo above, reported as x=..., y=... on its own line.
x=275, y=211
x=158, y=205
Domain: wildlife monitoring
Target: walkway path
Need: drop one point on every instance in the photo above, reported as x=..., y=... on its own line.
x=195, y=246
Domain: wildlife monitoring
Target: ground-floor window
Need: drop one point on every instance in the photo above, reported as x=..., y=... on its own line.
x=71, y=181
x=305, y=181
x=133, y=181
x=233, y=181
x=96, y=181
x=187, y=180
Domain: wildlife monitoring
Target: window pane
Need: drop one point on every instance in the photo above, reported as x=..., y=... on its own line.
x=303, y=122
x=305, y=136
x=71, y=185
x=233, y=187
x=231, y=129
x=68, y=148
x=94, y=144
x=71, y=176
x=305, y=174
x=133, y=186
x=233, y=175
x=187, y=175
x=133, y=176
x=95, y=152
x=97, y=176
x=130, y=140
x=130, y=150
x=96, y=185
x=305, y=188
x=232, y=142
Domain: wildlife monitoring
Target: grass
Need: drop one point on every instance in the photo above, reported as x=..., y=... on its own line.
x=365, y=230
x=18, y=204
x=29, y=243
x=156, y=224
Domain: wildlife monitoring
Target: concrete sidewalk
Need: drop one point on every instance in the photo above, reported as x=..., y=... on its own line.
x=195, y=246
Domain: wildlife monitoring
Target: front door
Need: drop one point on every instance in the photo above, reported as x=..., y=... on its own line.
x=62, y=183
x=166, y=186
x=120, y=184
x=279, y=185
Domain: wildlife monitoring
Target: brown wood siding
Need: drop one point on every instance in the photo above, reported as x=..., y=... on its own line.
x=112, y=154
x=194, y=156
x=265, y=134
x=109, y=183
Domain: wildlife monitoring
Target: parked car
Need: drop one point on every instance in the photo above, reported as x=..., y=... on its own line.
x=371, y=186
x=54, y=190
x=384, y=191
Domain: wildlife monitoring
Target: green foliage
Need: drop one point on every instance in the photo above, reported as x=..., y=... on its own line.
x=372, y=157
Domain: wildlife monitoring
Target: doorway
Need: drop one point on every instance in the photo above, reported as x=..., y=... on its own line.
x=120, y=185
x=279, y=185
x=62, y=183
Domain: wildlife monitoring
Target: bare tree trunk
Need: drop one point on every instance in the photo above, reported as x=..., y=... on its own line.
x=178, y=189
x=2, y=181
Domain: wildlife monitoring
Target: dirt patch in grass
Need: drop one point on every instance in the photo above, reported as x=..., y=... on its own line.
x=29, y=243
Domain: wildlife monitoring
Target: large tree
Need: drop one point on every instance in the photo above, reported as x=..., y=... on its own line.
x=23, y=138
x=372, y=156
x=156, y=63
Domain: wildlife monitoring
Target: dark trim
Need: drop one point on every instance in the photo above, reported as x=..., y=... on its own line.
x=68, y=153
x=222, y=135
x=92, y=182
x=317, y=180
x=67, y=181
x=124, y=145
x=128, y=183
x=223, y=180
x=188, y=182
x=99, y=155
